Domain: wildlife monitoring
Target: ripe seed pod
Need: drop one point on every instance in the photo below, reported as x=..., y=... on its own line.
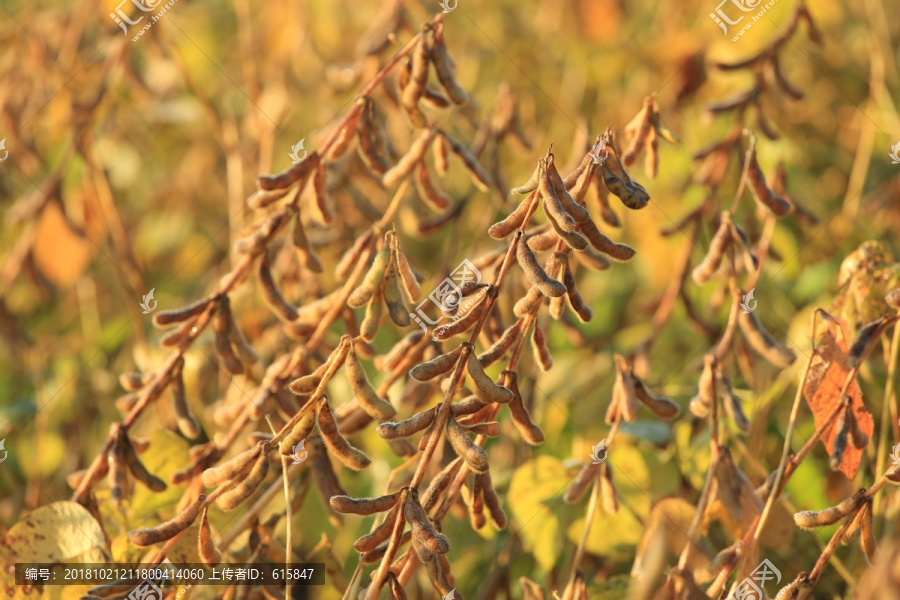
x=371, y=138
x=492, y=501
x=602, y=243
x=624, y=395
x=441, y=158
x=474, y=455
x=373, y=278
x=308, y=257
x=222, y=326
x=651, y=159
x=438, y=365
x=867, y=533
x=568, y=204
x=476, y=505
x=169, y=529
x=372, y=320
x=541, y=351
x=320, y=194
x=137, y=468
x=552, y=205
x=810, y=519
x=351, y=256
x=842, y=427
x=857, y=437
x=530, y=432
x=467, y=321
x=503, y=228
x=719, y=243
x=299, y=433
x=607, y=213
x=165, y=318
x=631, y=197
x=592, y=259
x=480, y=176
x=308, y=383
x=868, y=335
x=762, y=341
x=418, y=73
x=394, y=300
x=503, y=343
x=491, y=429
x=370, y=541
x=297, y=173
x=439, y=484
x=422, y=529
x=351, y=456
x=542, y=242
x=580, y=485
x=485, y=389
x=231, y=468
x=246, y=486
x=116, y=468
x=444, y=70
x=572, y=238
x=660, y=405
x=187, y=423
x=206, y=546
x=608, y=492
x=241, y=346
x=375, y=407
x=409, y=160
x=640, y=131
x=467, y=406
x=401, y=429
x=397, y=589
x=530, y=185
x=529, y=303
x=364, y=506
x=538, y=277
x=584, y=312
x=410, y=283
x=429, y=192
x=775, y=203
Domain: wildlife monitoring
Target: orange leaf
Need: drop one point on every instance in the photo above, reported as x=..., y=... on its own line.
x=828, y=371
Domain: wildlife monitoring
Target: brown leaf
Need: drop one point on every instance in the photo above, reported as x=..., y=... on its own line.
x=827, y=372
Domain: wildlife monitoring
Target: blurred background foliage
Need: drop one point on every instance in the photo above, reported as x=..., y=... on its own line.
x=144, y=153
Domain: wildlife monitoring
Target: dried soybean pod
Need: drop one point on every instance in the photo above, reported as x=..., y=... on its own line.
x=542, y=242
x=503, y=343
x=605, y=245
x=762, y=341
x=660, y=405
x=187, y=424
x=348, y=260
x=116, y=470
x=393, y=298
x=401, y=429
x=810, y=519
x=370, y=541
x=345, y=136
x=632, y=196
x=206, y=546
x=364, y=506
x=636, y=144
x=371, y=142
x=231, y=468
x=608, y=491
x=584, y=312
x=320, y=194
x=530, y=432
x=439, y=483
x=372, y=319
x=592, y=259
x=529, y=302
x=491, y=429
x=868, y=335
x=485, y=388
x=299, y=433
x=547, y=285
x=867, y=533
x=480, y=176
x=438, y=365
x=169, y=529
x=375, y=407
x=397, y=589
x=423, y=531
x=241, y=346
x=492, y=501
x=503, y=228
x=842, y=429
x=735, y=410
x=308, y=257
x=857, y=437
x=607, y=213
x=429, y=192
x=572, y=208
x=541, y=351
x=552, y=204
x=624, y=395
x=351, y=456
x=137, y=468
x=719, y=243
x=297, y=173
x=222, y=326
x=373, y=278
x=444, y=70
x=309, y=383
x=582, y=480
x=474, y=455
x=476, y=506
x=467, y=406
x=246, y=486
x=409, y=160
x=467, y=321
x=651, y=159
x=530, y=185
x=179, y=315
x=572, y=238
x=418, y=74
x=410, y=283
x=775, y=203
x=441, y=158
